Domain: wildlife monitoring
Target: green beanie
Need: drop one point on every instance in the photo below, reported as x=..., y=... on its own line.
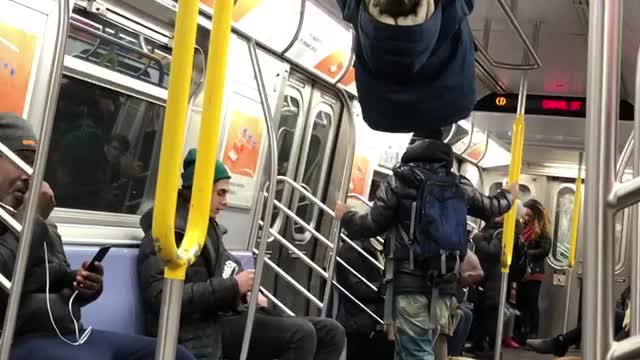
x=189, y=166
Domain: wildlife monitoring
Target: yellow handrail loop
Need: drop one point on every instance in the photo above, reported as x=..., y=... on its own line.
x=178, y=259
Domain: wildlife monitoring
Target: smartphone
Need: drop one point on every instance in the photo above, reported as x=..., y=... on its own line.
x=98, y=257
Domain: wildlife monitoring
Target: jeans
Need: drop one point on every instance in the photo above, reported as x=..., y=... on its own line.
x=455, y=342
x=284, y=338
x=414, y=333
x=101, y=345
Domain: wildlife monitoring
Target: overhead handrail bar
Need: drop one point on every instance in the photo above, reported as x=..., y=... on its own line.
x=273, y=172
x=635, y=247
x=102, y=36
x=177, y=260
x=291, y=281
x=603, y=77
x=575, y=217
x=40, y=162
x=509, y=227
x=523, y=38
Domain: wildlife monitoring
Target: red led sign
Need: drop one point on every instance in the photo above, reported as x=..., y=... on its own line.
x=565, y=105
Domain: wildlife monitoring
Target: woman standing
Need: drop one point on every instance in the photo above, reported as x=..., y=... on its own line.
x=537, y=237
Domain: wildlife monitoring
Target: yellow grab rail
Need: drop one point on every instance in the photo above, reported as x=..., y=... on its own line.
x=177, y=260
x=575, y=218
x=509, y=227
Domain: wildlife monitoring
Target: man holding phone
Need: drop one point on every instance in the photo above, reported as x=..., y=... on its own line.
x=53, y=293
x=215, y=291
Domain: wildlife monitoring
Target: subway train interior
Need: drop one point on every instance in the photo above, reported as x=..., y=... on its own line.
x=116, y=66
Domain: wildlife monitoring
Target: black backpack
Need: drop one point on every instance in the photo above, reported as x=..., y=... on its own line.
x=438, y=228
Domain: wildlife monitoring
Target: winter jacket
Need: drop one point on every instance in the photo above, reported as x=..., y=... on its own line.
x=405, y=72
x=489, y=252
x=537, y=251
x=352, y=317
x=33, y=317
x=392, y=207
x=207, y=293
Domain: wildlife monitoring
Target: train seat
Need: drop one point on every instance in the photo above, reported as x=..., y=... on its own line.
x=245, y=257
x=119, y=308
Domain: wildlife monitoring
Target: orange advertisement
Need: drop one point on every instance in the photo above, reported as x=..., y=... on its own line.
x=476, y=152
x=17, y=52
x=359, y=175
x=349, y=77
x=240, y=9
x=244, y=141
x=332, y=65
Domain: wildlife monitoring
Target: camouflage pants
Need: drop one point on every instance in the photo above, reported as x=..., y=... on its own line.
x=418, y=322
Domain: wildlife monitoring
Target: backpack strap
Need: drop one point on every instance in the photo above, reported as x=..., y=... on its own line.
x=409, y=242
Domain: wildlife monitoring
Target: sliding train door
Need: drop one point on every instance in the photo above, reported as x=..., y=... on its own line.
x=306, y=132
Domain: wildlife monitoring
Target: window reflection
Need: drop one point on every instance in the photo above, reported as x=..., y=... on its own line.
x=314, y=164
x=562, y=228
x=101, y=148
x=524, y=195
x=287, y=125
x=101, y=42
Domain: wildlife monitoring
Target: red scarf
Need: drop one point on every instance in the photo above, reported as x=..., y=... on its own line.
x=529, y=233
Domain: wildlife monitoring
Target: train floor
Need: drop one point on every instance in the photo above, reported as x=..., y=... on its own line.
x=530, y=355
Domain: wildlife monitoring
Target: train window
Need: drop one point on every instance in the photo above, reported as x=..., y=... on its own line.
x=101, y=148
x=562, y=228
x=315, y=162
x=101, y=42
x=525, y=190
x=290, y=115
x=287, y=125
x=621, y=236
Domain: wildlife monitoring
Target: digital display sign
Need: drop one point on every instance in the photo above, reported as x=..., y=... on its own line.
x=545, y=105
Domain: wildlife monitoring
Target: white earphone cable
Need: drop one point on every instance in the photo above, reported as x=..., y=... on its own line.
x=85, y=336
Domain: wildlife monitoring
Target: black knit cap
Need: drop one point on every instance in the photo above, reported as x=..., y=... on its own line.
x=16, y=133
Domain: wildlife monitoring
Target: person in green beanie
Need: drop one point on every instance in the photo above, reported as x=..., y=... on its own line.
x=216, y=289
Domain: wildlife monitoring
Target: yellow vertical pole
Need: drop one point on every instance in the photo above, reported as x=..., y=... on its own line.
x=173, y=132
x=177, y=260
x=509, y=227
x=575, y=219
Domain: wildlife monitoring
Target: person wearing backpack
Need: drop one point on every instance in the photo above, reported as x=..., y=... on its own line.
x=424, y=208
